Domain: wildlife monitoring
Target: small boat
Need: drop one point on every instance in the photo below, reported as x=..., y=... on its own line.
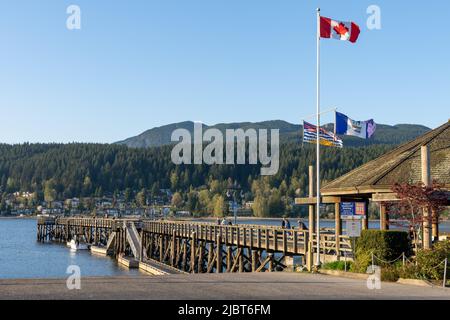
x=76, y=245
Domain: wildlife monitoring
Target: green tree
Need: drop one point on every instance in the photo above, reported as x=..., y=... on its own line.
x=174, y=181
x=177, y=200
x=49, y=192
x=141, y=198
x=219, y=206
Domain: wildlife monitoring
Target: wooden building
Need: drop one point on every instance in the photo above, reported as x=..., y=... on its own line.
x=426, y=158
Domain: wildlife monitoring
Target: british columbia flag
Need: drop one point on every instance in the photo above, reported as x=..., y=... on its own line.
x=327, y=138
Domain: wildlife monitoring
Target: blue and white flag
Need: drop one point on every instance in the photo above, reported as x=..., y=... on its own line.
x=349, y=127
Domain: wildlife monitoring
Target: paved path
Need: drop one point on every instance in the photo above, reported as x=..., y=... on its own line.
x=286, y=286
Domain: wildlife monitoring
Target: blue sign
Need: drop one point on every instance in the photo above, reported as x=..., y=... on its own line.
x=352, y=208
x=347, y=208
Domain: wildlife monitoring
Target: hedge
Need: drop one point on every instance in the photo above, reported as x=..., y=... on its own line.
x=385, y=245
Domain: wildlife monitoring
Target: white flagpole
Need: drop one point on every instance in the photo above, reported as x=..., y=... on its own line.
x=318, y=140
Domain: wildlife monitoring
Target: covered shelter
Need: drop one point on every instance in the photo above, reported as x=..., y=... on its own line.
x=424, y=159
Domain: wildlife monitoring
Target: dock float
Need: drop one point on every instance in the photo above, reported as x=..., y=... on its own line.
x=100, y=251
x=128, y=262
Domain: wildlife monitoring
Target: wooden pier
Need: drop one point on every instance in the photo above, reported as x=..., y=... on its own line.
x=198, y=247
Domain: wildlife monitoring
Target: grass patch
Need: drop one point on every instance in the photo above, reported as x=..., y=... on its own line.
x=337, y=265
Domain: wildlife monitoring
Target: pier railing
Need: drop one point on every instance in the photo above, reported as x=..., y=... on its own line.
x=268, y=238
x=293, y=241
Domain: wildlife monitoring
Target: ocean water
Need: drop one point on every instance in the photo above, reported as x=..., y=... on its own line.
x=21, y=256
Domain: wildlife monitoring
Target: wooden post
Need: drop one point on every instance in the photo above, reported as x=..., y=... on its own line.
x=384, y=222
x=365, y=225
x=193, y=251
x=426, y=179
x=141, y=246
x=173, y=248
x=309, y=254
x=271, y=262
x=254, y=260
x=229, y=256
x=219, y=254
x=201, y=254
x=241, y=259
x=338, y=228
x=161, y=249
x=435, y=225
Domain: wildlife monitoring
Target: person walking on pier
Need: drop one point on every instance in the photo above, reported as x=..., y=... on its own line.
x=302, y=225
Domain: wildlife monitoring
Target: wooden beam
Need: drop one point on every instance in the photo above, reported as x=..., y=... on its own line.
x=313, y=200
x=384, y=197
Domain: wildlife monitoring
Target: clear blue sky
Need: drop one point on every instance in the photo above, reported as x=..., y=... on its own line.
x=139, y=64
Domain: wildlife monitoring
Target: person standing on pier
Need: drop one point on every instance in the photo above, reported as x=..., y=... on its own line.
x=285, y=224
x=288, y=224
x=302, y=226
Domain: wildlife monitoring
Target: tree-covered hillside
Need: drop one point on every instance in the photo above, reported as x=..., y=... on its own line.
x=61, y=171
x=84, y=169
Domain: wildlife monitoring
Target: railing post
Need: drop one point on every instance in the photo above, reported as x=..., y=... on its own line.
x=219, y=254
x=193, y=251
x=295, y=239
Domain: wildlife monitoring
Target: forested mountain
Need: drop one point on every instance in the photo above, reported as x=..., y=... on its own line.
x=61, y=171
x=88, y=169
x=289, y=132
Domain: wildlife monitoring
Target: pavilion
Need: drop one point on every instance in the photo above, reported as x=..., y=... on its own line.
x=426, y=158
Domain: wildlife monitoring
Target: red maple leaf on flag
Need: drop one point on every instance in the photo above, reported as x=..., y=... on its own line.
x=341, y=29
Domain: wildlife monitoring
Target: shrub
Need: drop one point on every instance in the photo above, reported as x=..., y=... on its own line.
x=390, y=273
x=429, y=262
x=362, y=261
x=385, y=245
x=337, y=265
x=409, y=271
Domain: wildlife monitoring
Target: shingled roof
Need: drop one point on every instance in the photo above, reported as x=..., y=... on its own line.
x=400, y=165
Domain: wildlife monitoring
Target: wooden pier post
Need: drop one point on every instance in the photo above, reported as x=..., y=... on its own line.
x=338, y=228
x=193, y=251
x=219, y=254
x=161, y=248
x=384, y=221
x=426, y=179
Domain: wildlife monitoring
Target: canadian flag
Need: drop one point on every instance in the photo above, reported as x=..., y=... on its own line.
x=332, y=29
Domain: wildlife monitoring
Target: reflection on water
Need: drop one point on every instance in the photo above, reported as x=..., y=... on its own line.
x=22, y=257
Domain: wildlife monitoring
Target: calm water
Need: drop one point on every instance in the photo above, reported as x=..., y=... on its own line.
x=22, y=257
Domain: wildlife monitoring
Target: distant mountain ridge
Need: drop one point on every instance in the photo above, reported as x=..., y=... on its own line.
x=385, y=134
